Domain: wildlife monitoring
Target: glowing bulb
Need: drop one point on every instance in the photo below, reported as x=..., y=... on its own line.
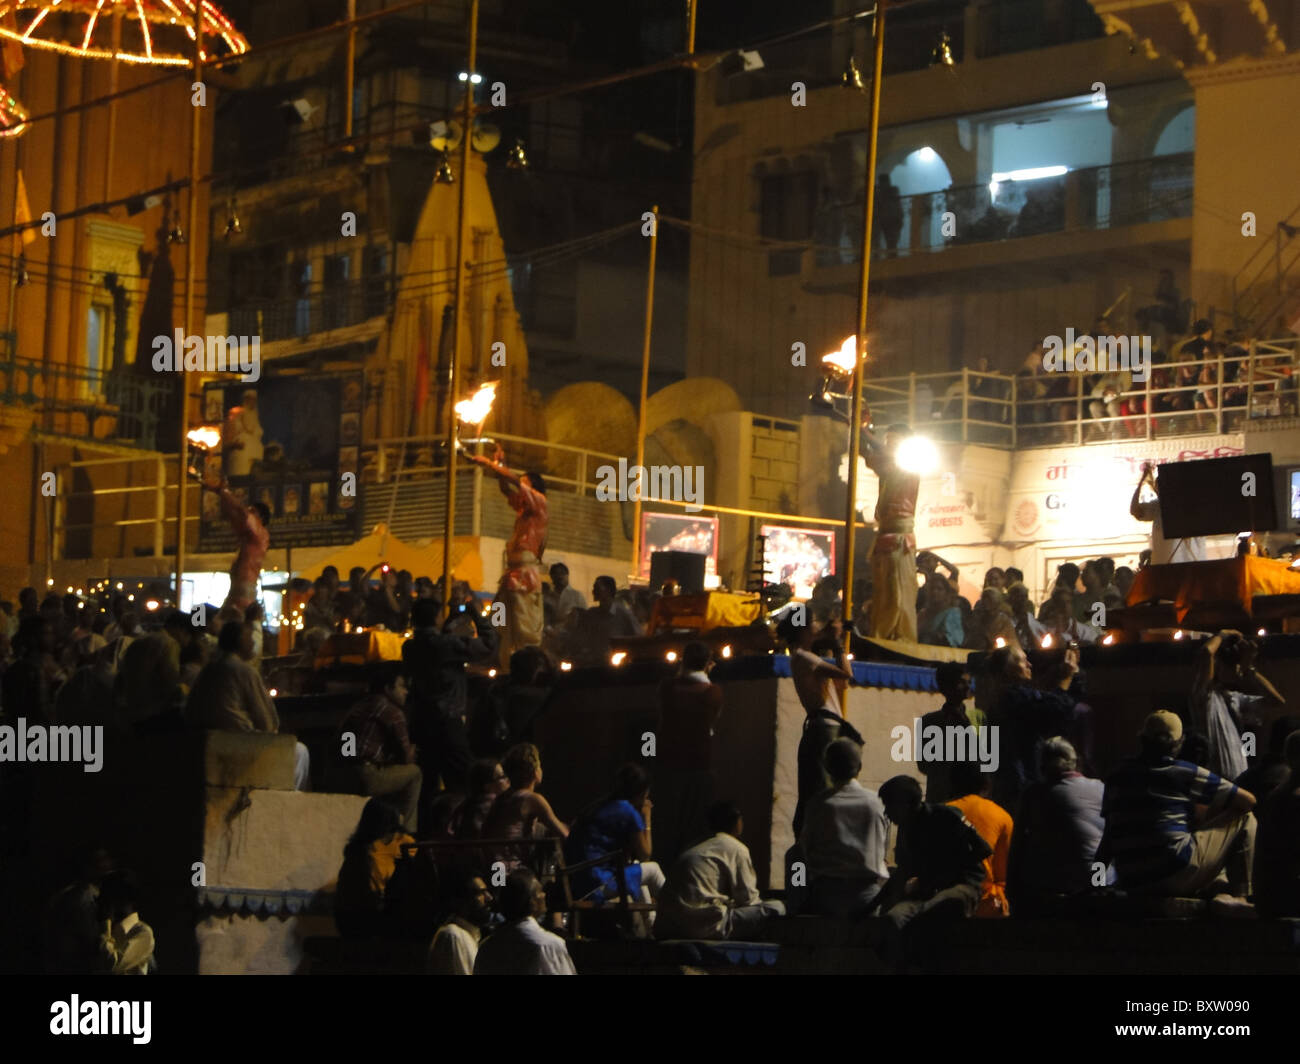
x=1047, y=642
x=848, y=657
x=130, y=598
x=1262, y=632
x=49, y=582
x=999, y=642
x=1178, y=634
x=566, y=666
x=918, y=454
x=152, y=604
x=726, y=651
x=492, y=672
x=119, y=585
x=69, y=589
x=618, y=657
x=671, y=656
x=273, y=692
x=1108, y=640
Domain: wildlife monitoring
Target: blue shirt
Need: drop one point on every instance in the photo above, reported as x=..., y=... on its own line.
x=1148, y=807
x=609, y=827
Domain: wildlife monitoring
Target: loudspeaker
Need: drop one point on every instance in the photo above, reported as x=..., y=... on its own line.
x=1216, y=496
x=686, y=567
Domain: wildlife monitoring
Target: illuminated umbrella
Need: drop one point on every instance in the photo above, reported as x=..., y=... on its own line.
x=13, y=116
x=152, y=32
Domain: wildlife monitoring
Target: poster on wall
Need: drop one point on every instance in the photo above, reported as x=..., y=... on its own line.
x=697, y=535
x=797, y=556
x=287, y=442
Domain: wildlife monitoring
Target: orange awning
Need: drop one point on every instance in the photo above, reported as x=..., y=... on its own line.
x=382, y=546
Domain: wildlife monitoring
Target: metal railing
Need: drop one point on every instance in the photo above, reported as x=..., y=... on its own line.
x=120, y=405
x=1092, y=198
x=1259, y=288
x=335, y=307
x=1213, y=395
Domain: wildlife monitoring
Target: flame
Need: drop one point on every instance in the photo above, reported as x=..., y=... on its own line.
x=205, y=436
x=846, y=358
x=474, y=411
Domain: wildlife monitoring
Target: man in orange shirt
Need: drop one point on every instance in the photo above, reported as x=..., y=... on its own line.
x=993, y=824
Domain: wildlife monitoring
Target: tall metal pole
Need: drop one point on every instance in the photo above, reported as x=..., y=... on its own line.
x=467, y=129
x=112, y=106
x=691, y=6
x=191, y=266
x=645, y=386
x=352, y=74
x=855, y=417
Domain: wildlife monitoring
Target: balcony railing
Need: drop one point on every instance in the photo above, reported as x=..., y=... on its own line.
x=336, y=307
x=121, y=405
x=1093, y=198
x=1219, y=394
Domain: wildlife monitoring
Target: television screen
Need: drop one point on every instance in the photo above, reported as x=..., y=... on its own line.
x=797, y=556
x=1294, y=496
x=696, y=535
x=1217, y=496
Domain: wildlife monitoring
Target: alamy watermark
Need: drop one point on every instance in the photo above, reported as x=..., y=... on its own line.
x=624, y=483
x=209, y=354
x=1097, y=354
x=67, y=743
x=947, y=744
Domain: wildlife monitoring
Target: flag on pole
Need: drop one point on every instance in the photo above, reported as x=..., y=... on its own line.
x=422, y=359
x=23, y=210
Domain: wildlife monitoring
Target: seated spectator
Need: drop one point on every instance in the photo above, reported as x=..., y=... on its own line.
x=1014, y=576
x=973, y=787
x=521, y=946
x=1058, y=617
x=322, y=609
x=127, y=943
x=520, y=812
x=617, y=823
x=940, y=621
x=843, y=840
x=953, y=679
x=369, y=860
x=454, y=948
x=1124, y=577
x=149, y=689
x=991, y=624
x=712, y=892
x=484, y=782
x=229, y=696
x=1158, y=840
x=1277, y=854
x=376, y=755
x=1029, y=632
x=386, y=605
x=995, y=577
x=1220, y=710
x=940, y=869
x=1058, y=827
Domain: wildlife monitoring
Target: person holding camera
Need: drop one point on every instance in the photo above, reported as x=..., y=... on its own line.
x=1227, y=691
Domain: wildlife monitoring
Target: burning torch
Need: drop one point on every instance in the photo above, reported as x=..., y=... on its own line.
x=474, y=411
x=201, y=440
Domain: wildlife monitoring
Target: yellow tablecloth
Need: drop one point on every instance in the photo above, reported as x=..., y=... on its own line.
x=713, y=609
x=360, y=648
x=1228, y=580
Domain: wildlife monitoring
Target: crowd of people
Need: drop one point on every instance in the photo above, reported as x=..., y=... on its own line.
x=1074, y=610
x=459, y=849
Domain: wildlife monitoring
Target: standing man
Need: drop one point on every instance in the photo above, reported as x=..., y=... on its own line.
x=1163, y=551
x=564, y=598
x=521, y=582
x=893, y=554
x=249, y=523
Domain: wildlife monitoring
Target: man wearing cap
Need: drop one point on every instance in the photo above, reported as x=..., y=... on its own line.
x=893, y=554
x=1158, y=839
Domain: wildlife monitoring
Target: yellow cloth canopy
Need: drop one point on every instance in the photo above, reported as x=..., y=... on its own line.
x=382, y=546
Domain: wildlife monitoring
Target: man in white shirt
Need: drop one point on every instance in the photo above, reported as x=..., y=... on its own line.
x=563, y=598
x=521, y=947
x=1163, y=551
x=455, y=945
x=843, y=839
x=712, y=892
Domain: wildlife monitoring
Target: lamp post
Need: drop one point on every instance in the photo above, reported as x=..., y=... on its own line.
x=855, y=415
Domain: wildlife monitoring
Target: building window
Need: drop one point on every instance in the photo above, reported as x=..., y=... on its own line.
x=99, y=345
x=788, y=203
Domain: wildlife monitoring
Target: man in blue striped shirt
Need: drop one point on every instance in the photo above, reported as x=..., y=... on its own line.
x=1172, y=827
